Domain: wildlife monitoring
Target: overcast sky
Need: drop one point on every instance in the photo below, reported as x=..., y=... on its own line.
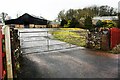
x=48, y=9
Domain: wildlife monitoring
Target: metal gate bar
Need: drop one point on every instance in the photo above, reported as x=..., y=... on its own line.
x=41, y=46
x=45, y=37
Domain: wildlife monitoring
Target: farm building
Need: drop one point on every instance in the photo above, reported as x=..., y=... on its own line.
x=27, y=21
x=113, y=18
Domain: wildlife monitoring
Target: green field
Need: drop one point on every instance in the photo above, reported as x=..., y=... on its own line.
x=74, y=36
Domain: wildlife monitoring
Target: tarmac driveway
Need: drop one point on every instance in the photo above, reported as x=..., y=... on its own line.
x=70, y=63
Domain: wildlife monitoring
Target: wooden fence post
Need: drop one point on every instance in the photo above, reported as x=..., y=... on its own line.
x=8, y=52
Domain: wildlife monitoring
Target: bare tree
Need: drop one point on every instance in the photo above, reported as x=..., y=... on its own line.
x=3, y=17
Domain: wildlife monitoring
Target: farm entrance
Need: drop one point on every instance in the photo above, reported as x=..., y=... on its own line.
x=41, y=40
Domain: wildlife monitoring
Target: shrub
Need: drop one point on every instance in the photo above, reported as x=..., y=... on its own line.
x=99, y=23
x=63, y=22
x=109, y=23
x=68, y=24
x=72, y=24
x=106, y=23
x=88, y=23
x=116, y=50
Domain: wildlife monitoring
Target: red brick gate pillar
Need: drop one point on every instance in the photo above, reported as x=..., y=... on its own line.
x=115, y=37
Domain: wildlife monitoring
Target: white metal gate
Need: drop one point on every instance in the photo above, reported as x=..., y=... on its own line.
x=40, y=40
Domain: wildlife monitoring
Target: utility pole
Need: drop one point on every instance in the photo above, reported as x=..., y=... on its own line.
x=119, y=14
